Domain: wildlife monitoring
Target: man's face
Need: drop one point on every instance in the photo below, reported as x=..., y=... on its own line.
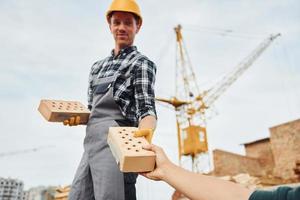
x=123, y=26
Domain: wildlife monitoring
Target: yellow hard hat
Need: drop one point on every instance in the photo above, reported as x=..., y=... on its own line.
x=124, y=6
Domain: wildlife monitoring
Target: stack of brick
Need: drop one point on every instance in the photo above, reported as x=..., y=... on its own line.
x=246, y=180
x=58, y=193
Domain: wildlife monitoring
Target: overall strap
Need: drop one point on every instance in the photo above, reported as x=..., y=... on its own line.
x=94, y=72
x=97, y=66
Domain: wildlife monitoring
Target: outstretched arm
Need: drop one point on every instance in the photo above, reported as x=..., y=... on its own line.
x=194, y=186
x=148, y=122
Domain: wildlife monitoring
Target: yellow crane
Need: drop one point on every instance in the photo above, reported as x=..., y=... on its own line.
x=191, y=105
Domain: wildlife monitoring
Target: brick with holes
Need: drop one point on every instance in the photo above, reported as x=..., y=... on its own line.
x=128, y=151
x=59, y=110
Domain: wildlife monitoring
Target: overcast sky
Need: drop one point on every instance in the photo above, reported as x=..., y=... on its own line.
x=48, y=47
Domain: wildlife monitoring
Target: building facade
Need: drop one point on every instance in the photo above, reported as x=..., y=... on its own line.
x=11, y=189
x=36, y=193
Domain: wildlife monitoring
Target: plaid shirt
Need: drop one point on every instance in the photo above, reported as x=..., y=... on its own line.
x=135, y=94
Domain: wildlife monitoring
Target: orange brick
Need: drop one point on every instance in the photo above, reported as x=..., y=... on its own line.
x=128, y=151
x=58, y=110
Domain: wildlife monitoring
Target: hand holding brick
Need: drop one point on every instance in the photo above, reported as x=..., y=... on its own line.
x=147, y=133
x=60, y=111
x=128, y=151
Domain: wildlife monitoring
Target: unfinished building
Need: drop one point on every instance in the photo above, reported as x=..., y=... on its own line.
x=276, y=157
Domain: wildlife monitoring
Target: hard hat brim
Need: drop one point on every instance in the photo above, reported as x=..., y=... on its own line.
x=109, y=13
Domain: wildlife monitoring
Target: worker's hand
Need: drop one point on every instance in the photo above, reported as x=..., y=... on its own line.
x=73, y=121
x=162, y=163
x=147, y=133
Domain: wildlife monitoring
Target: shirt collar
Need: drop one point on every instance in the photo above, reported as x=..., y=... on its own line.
x=124, y=51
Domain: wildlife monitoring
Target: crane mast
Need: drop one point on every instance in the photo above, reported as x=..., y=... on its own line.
x=184, y=69
x=191, y=132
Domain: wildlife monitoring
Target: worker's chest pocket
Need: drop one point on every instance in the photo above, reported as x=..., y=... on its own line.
x=102, y=88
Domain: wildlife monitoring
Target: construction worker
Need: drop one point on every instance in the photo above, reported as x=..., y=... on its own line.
x=120, y=93
x=202, y=187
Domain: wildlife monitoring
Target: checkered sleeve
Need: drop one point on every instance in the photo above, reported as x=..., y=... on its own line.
x=144, y=88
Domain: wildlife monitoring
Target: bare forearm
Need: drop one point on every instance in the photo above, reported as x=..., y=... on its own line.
x=201, y=187
x=148, y=122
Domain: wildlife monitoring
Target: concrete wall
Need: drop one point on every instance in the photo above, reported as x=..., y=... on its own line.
x=227, y=163
x=285, y=144
x=276, y=156
x=261, y=149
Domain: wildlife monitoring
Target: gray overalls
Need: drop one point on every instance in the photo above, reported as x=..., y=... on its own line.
x=98, y=176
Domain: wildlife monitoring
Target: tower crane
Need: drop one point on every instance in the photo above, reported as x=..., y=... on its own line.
x=191, y=105
x=12, y=153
